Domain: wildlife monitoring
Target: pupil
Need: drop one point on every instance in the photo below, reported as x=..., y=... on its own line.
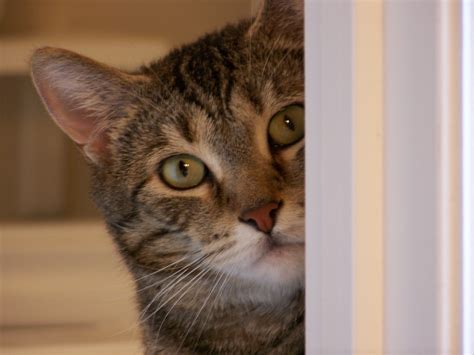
x=183, y=168
x=289, y=123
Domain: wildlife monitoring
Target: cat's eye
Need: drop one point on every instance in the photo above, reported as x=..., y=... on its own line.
x=182, y=171
x=287, y=126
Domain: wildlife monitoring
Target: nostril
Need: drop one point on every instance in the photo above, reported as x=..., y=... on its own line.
x=250, y=222
x=273, y=212
x=262, y=217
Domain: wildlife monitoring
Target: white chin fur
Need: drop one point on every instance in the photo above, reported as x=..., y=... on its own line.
x=280, y=265
x=261, y=264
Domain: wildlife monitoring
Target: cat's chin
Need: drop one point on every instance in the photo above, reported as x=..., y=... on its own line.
x=267, y=268
x=279, y=265
x=276, y=276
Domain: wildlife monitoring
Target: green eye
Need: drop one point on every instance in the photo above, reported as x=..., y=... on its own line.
x=183, y=171
x=287, y=126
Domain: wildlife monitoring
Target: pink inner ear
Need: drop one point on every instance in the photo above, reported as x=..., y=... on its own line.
x=76, y=123
x=71, y=87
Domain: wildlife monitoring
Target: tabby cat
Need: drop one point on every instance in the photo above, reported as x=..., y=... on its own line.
x=198, y=169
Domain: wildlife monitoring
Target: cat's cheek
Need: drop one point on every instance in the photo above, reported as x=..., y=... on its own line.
x=290, y=226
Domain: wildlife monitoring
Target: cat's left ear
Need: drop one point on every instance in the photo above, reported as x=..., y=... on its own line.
x=282, y=18
x=84, y=97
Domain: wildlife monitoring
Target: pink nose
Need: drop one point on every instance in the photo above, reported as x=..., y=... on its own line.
x=263, y=216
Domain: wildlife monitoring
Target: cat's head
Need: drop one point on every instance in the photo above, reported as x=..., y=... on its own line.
x=200, y=155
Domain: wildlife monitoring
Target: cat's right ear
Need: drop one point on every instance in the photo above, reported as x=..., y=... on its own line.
x=82, y=96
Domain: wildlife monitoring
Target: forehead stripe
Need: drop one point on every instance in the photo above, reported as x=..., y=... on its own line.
x=184, y=128
x=181, y=84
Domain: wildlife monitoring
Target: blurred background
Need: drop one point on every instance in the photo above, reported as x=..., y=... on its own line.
x=392, y=255
x=62, y=286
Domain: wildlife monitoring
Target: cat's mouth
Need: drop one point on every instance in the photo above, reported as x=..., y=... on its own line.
x=275, y=243
x=281, y=246
x=277, y=239
x=275, y=259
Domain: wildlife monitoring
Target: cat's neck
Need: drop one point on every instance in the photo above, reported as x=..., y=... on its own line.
x=207, y=315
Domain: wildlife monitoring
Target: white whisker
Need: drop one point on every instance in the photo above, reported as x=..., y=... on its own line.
x=180, y=274
x=227, y=278
x=188, y=288
x=163, y=268
x=221, y=274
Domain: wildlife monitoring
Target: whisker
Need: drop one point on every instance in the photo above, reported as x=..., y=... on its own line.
x=201, y=264
x=142, y=313
x=163, y=268
x=170, y=285
x=202, y=307
x=177, y=273
x=166, y=290
x=188, y=288
x=212, y=305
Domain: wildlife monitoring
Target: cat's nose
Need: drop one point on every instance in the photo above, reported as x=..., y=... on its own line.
x=262, y=217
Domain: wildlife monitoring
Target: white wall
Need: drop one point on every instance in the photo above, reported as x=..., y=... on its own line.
x=385, y=111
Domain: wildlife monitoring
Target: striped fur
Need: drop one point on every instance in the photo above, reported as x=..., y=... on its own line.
x=206, y=283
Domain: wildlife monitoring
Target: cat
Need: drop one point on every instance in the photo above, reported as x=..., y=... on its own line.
x=197, y=165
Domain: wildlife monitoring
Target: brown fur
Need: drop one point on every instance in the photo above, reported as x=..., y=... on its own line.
x=186, y=248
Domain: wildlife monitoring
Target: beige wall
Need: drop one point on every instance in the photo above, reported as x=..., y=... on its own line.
x=175, y=20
